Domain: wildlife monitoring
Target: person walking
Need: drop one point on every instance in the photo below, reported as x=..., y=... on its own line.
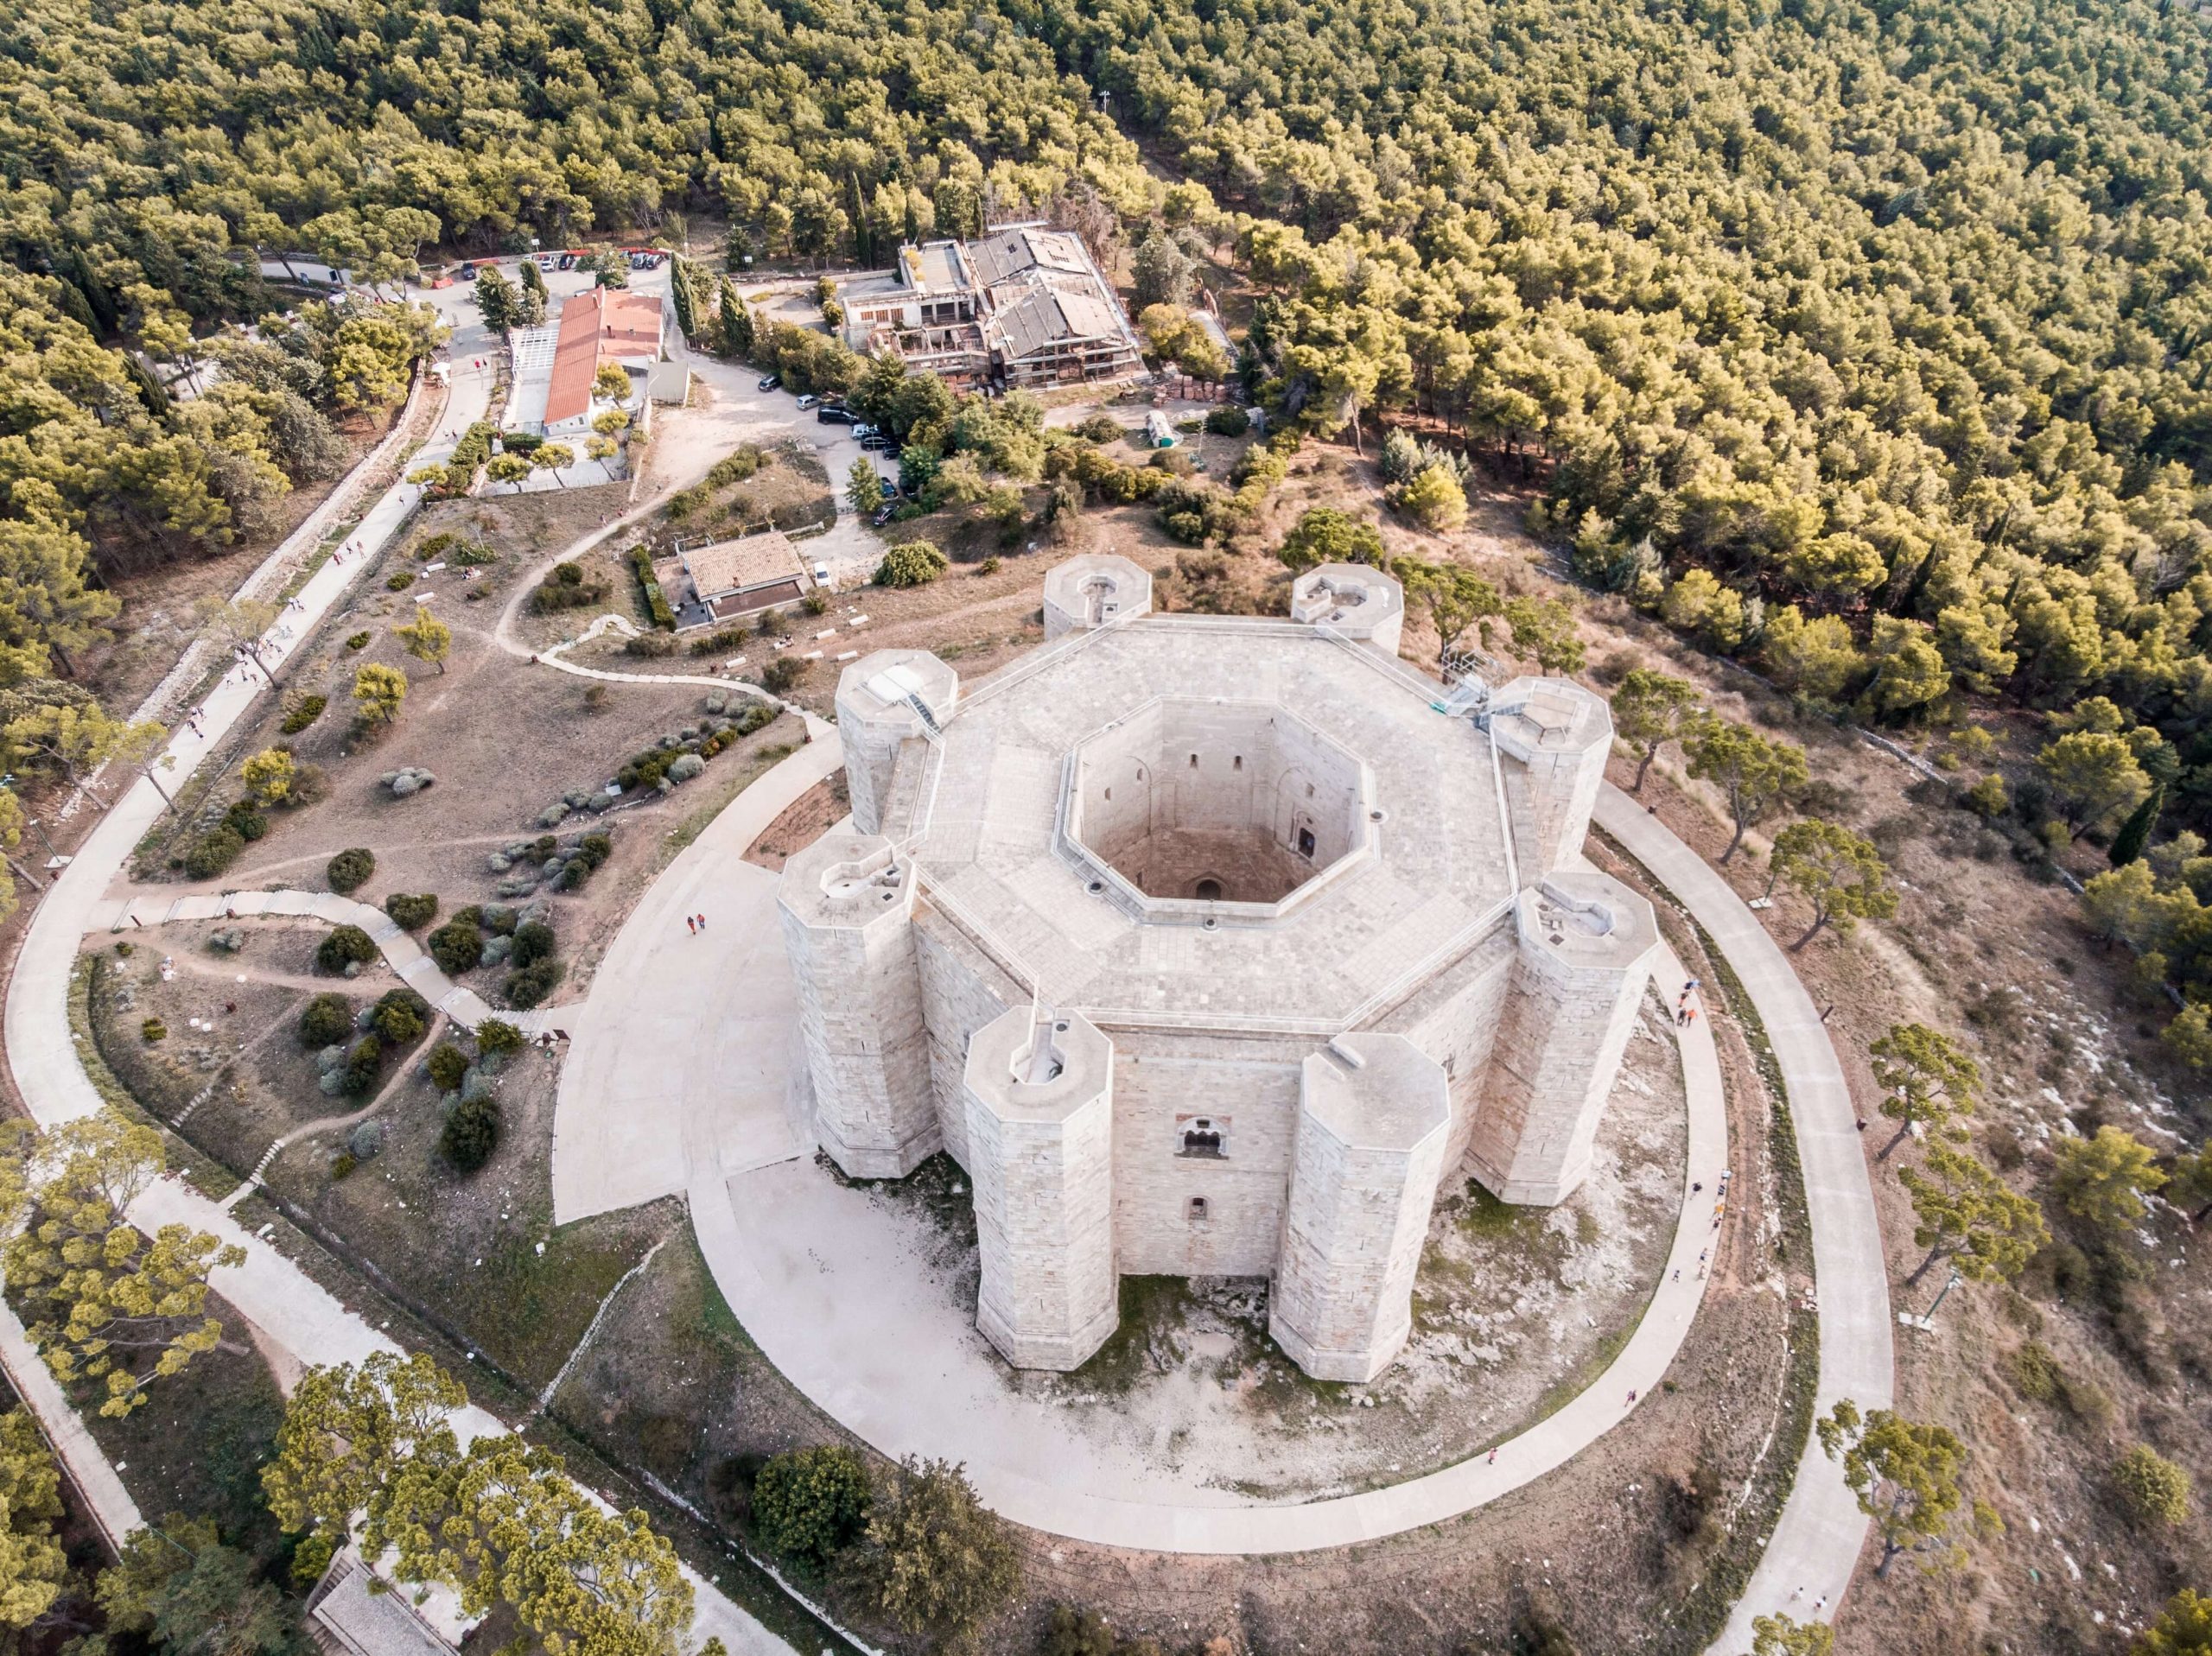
x=703, y=923
x=690, y=925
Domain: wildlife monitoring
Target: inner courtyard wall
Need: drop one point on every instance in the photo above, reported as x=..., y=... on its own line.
x=1217, y=777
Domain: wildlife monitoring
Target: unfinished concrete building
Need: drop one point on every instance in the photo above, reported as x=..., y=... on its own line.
x=1213, y=947
x=1023, y=306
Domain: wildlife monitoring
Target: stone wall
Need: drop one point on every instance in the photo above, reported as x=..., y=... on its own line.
x=962, y=990
x=848, y=929
x=1247, y=1088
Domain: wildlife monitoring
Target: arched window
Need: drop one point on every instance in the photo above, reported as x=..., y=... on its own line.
x=1198, y=1210
x=1207, y=890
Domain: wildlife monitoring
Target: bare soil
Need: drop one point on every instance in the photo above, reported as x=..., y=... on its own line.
x=805, y=820
x=506, y=737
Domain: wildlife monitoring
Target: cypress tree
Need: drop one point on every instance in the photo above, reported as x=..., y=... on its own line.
x=2135, y=833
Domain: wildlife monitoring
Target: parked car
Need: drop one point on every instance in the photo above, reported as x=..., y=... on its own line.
x=890, y=489
x=883, y=516
x=877, y=441
x=834, y=416
x=544, y=261
x=808, y=401
x=566, y=262
x=466, y=273
x=770, y=382
x=862, y=430
x=821, y=574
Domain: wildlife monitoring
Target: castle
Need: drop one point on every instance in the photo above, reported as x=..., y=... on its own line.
x=1213, y=945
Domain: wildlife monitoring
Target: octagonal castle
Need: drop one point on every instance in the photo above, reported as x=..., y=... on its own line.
x=1213, y=947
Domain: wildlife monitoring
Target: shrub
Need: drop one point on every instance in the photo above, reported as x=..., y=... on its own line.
x=532, y=984
x=595, y=848
x=359, y=641
x=250, y=823
x=566, y=588
x=325, y=1021
x=649, y=643
x=2154, y=1489
x=496, y=1037
x=781, y=674
x=343, y=1165
x=817, y=602
x=1323, y=534
x=214, y=851
x=1100, y=429
x=350, y=869
x=533, y=942
x=268, y=775
x=448, y=1065
x=656, y=606
x=152, y=1029
x=366, y=1140
x=363, y=1060
x=300, y=711
x=811, y=1503
x=411, y=911
x=345, y=945
x=915, y=563
x=398, y=581
x=472, y=1134
x=401, y=1016
x=1227, y=421
x=456, y=945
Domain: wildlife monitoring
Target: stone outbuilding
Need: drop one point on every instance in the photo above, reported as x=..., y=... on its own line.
x=1213, y=945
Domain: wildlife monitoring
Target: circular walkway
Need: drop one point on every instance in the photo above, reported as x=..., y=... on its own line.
x=686, y=1075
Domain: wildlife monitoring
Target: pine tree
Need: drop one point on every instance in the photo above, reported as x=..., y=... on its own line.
x=2135, y=833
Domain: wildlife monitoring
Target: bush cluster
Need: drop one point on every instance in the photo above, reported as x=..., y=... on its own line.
x=530, y=985
x=648, y=768
x=811, y=1504
x=1227, y=421
x=469, y=457
x=656, y=606
x=721, y=639
x=349, y=869
x=449, y=1066
x=472, y=1133
x=213, y=851
x=454, y=549
x=411, y=911
x=359, y=641
x=457, y=947
x=912, y=563
x=567, y=587
x=250, y=823
x=401, y=1016
x=324, y=1020
x=591, y=851
x=345, y=945
x=301, y=711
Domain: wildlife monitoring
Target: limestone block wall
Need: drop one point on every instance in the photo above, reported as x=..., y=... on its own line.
x=1585, y=952
x=1373, y=1119
x=962, y=990
x=1455, y=1021
x=1164, y=1085
x=1039, y=1103
x=1552, y=743
x=847, y=912
x=1222, y=772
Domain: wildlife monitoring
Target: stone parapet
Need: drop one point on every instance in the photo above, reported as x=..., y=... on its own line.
x=1373, y=1118
x=1093, y=591
x=847, y=906
x=1040, y=1101
x=1355, y=600
x=1585, y=947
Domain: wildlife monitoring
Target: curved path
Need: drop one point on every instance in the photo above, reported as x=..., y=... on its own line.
x=665, y=1092
x=739, y=1161
x=1815, y=1546
x=291, y=1311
